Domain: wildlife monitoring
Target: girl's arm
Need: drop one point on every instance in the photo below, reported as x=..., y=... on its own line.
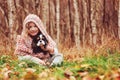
x=49, y=48
x=22, y=51
x=21, y=48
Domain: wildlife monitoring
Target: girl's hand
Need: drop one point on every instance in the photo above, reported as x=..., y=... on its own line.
x=48, y=48
x=42, y=62
x=39, y=55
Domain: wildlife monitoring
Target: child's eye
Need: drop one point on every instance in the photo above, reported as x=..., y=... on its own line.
x=29, y=27
x=35, y=26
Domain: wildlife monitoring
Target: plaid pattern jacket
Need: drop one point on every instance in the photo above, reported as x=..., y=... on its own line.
x=23, y=47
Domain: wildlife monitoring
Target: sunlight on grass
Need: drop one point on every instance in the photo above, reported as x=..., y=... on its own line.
x=100, y=63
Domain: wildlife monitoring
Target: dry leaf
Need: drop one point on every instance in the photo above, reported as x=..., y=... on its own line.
x=31, y=70
x=6, y=74
x=87, y=78
x=43, y=75
x=72, y=78
x=68, y=73
x=83, y=73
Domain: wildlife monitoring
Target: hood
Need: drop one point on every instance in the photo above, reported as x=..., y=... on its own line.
x=34, y=18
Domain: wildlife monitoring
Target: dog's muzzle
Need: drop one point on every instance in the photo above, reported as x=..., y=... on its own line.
x=40, y=42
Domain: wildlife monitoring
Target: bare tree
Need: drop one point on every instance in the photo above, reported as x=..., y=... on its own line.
x=76, y=24
x=119, y=21
x=52, y=22
x=93, y=21
x=70, y=22
x=65, y=22
x=4, y=29
x=99, y=20
x=58, y=19
x=86, y=23
x=44, y=12
x=11, y=18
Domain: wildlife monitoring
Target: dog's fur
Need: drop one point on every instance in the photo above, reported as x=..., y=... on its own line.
x=38, y=40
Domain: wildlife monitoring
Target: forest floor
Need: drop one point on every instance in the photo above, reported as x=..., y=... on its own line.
x=102, y=63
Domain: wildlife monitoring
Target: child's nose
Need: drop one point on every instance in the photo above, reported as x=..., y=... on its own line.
x=32, y=28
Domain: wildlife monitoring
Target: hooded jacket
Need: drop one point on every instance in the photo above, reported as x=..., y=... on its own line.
x=23, y=46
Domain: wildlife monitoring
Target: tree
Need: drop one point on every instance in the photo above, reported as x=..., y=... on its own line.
x=58, y=19
x=119, y=21
x=44, y=13
x=76, y=24
x=86, y=37
x=11, y=18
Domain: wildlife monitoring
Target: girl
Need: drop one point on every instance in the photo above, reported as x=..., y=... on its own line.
x=32, y=25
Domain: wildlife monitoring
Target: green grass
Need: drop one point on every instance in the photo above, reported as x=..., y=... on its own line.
x=94, y=66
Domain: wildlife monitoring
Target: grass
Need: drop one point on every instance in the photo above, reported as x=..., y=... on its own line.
x=100, y=63
x=95, y=67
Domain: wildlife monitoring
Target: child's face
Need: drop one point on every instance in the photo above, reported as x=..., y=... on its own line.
x=32, y=29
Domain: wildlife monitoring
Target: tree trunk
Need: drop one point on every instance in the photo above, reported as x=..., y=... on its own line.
x=58, y=19
x=110, y=18
x=44, y=12
x=99, y=20
x=86, y=23
x=69, y=22
x=93, y=20
x=11, y=18
x=52, y=22
x=4, y=29
x=76, y=24
x=119, y=21
x=64, y=23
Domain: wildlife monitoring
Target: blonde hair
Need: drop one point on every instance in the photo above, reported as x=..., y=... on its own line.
x=25, y=31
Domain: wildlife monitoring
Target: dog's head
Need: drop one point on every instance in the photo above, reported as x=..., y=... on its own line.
x=41, y=40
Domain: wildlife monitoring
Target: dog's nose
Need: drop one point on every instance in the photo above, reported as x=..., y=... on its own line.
x=40, y=41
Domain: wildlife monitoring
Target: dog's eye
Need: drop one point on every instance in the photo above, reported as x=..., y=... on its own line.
x=38, y=38
x=43, y=37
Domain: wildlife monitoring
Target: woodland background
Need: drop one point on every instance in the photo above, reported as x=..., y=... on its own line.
x=93, y=26
x=70, y=22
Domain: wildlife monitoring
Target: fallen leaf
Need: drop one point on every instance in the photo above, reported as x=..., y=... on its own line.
x=83, y=73
x=43, y=75
x=72, y=78
x=6, y=74
x=68, y=73
x=117, y=78
x=30, y=76
x=31, y=70
x=85, y=65
x=87, y=78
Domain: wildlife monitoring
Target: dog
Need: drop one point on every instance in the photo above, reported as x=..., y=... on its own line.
x=39, y=40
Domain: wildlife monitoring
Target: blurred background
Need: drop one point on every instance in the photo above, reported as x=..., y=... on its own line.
x=71, y=23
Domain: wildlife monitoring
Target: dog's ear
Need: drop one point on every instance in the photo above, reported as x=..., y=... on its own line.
x=33, y=44
x=46, y=40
